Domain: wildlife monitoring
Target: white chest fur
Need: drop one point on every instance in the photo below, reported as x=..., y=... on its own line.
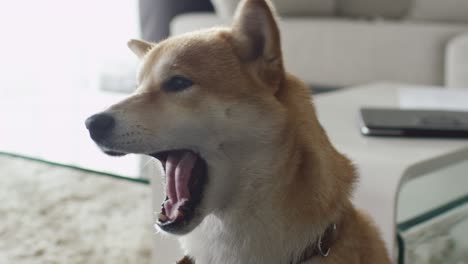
x=250, y=241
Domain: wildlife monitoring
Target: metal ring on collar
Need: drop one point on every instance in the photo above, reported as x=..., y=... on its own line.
x=319, y=245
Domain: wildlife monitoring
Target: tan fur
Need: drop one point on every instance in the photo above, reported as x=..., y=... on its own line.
x=275, y=180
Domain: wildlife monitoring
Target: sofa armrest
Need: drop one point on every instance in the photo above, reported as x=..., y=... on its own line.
x=195, y=21
x=456, y=68
x=225, y=8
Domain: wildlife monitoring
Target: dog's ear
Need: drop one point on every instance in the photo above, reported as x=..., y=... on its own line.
x=256, y=38
x=256, y=34
x=139, y=47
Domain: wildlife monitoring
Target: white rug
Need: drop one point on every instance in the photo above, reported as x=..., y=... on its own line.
x=51, y=214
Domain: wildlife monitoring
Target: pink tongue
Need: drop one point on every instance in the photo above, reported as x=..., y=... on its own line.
x=178, y=170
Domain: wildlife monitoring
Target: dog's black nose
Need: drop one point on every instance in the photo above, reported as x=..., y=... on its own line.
x=99, y=125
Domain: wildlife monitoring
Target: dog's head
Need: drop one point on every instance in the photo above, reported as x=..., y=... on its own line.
x=204, y=101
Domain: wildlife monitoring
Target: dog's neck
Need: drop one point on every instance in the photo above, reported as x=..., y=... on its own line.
x=262, y=229
x=273, y=222
x=290, y=200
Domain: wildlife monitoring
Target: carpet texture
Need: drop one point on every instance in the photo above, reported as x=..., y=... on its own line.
x=51, y=214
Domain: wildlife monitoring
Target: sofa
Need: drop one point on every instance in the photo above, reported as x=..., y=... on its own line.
x=336, y=43
x=156, y=15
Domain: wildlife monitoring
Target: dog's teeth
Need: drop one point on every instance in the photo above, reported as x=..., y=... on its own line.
x=162, y=217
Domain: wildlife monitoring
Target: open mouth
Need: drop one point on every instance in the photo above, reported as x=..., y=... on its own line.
x=186, y=175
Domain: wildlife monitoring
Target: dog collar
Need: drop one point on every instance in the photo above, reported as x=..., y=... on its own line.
x=322, y=247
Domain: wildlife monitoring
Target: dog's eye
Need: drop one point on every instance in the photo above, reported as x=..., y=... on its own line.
x=176, y=83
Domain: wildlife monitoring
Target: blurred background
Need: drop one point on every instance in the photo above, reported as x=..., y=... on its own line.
x=58, y=59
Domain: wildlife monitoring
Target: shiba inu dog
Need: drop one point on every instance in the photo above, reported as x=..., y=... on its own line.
x=250, y=174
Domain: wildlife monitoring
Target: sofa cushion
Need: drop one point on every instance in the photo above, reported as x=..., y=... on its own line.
x=226, y=8
x=374, y=8
x=456, y=68
x=342, y=52
x=305, y=7
x=439, y=10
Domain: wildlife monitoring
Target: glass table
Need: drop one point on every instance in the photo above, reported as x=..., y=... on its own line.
x=432, y=216
x=396, y=174
x=49, y=126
